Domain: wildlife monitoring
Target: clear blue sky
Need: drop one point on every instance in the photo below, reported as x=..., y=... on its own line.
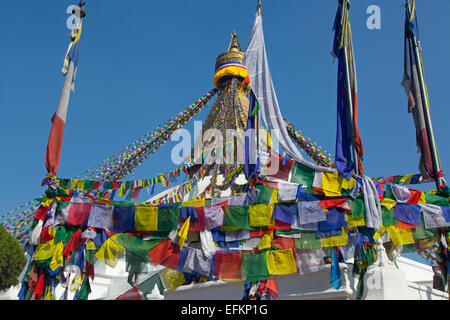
x=141, y=62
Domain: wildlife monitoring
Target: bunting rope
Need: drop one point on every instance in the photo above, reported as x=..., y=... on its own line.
x=315, y=151
x=17, y=225
x=87, y=229
x=124, y=162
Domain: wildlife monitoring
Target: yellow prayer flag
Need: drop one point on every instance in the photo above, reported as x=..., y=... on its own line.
x=57, y=257
x=194, y=203
x=259, y=215
x=331, y=184
x=110, y=252
x=400, y=236
x=44, y=250
x=49, y=295
x=80, y=185
x=335, y=241
x=90, y=245
x=281, y=262
x=388, y=203
x=422, y=199
x=47, y=203
x=354, y=222
x=348, y=184
x=274, y=197
x=146, y=218
x=266, y=241
x=405, y=178
x=73, y=184
x=184, y=232
x=269, y=140
x=379, y=233
x=171, y=279
x=77, y=281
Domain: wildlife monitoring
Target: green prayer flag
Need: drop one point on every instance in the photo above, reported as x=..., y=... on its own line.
x=136, y=245
x=255, y=109
x=146, y=287
x=358, y=208
x=435, y=199
x=388, y=216
x=64, y=233
x=303, y=175
x=307, y=241
x=254, y=266
x=84, y=290
x=235, y=218
x=421, y=232
x=168, y=218
x=264, y=194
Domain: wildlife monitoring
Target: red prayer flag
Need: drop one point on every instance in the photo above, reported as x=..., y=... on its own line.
x=283, y=171
x=132, y=294
x=165, y=253
x=228, y=265
x=38, y=288
x=74, y=242
x=332, y=203
x=404, y=225
x=78, y=213
x=415, y=196
x=283, y=243
x=41, y=213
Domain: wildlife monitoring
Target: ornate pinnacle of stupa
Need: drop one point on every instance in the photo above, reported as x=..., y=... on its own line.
x=229, y=64
x=229, y=112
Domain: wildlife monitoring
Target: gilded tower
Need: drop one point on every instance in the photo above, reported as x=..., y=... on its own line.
x=227, y=116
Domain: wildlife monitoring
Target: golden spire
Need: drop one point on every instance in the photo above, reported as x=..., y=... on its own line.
x=234, y=43
x=233, y=54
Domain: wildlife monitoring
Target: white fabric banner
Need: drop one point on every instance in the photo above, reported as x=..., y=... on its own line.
x=255, y=60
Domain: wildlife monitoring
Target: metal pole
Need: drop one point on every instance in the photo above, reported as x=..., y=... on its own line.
x=430, y=133
x=258, y=115
x=259, y=7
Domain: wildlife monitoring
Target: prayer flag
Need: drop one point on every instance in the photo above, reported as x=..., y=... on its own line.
x=256, y=61
x=171, y=279
x=165, y=253
x=281, y=262
x=184, y=232
x=54, y=145
x=254, y=266
x=78, y=213
x=411, y=84
x=347, y=132
x=399, y=236
x=228, y=265
x=146, y=218
x=260, y=215
x=236, y=218
x=335, y=274
x=110, y=252
x=132, y=294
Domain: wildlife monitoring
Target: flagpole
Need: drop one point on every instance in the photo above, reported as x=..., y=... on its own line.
x=350, y=104
x=349, y=95
x=427, y=115
x=54, y=145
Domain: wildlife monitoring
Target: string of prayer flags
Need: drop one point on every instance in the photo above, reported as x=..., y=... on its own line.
x=265, y=230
